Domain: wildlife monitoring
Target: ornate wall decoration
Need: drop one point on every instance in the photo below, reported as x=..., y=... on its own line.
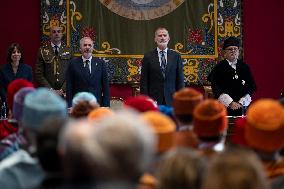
x=123, y=33
x=142, y=9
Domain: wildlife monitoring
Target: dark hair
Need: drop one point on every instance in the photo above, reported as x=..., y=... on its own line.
x=215, y=138
x=10, y=51
x=184, y=118
x=181, y=168
x=82, y=109
x=47, y=141
x=235, y=168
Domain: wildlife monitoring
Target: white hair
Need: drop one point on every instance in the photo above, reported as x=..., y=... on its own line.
x=126, y=142
x=83, y=39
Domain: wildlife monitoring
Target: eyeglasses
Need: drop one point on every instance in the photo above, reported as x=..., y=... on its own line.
x=232, y=49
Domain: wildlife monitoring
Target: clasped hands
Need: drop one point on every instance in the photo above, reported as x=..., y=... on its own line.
x=60, y=92
x=235, y=105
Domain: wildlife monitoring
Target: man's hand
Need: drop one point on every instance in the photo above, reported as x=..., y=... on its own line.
x=59, y=92
x=235, y=105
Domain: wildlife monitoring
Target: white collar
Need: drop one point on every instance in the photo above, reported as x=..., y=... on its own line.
x=52, y=44
x=159, y=50
x=232, y=64
x=84, y=59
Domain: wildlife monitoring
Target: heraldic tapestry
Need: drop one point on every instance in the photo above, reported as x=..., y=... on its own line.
x=123, y=30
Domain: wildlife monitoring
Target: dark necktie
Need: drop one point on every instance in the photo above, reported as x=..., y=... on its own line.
x=87, y=62
x=163, y=63
x=56, y=50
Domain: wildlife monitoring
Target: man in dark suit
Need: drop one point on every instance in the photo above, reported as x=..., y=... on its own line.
x=87, y=73
x=162, y=71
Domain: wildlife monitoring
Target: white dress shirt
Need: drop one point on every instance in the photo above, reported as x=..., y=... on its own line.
x=160, y=56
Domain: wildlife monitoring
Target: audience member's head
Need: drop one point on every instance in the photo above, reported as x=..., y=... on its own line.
x=163, y=127
x=77, y=164
x=84, y=96
x=47, y=142
x=127, y=142
x=264, y=130
x=14, y=87
x=40, y=106
x=123, y=147
x=184, y=102
x=167, y=110
x=181, y=168
x=82, y=109
x=141, y=103
x=99, y=113
x=19, y=99
x=209, y=119
x=119, y=147
x=238, y=136
x=235, y=169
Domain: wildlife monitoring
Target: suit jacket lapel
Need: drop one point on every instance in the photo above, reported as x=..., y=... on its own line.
x=93, y=67
x=156, y=60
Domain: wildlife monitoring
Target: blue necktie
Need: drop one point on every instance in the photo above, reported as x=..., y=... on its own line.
x=163, y=63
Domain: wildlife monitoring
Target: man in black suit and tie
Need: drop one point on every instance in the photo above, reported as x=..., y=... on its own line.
x=87, y=73
x=162, y=71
